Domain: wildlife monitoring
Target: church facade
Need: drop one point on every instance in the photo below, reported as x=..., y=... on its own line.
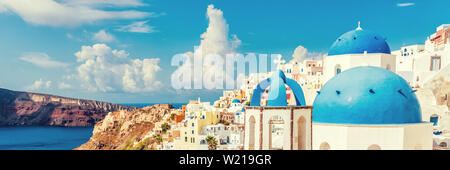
x=278, y=126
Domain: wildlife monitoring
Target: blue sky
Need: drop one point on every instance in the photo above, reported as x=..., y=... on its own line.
x=39, y=38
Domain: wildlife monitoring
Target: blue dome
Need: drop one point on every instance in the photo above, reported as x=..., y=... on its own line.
x=236, y=101
x=277, y=91
x=358, y=41
x=366, y=95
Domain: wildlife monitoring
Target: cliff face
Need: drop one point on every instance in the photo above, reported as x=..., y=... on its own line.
x=119, y=128
x=33, y=109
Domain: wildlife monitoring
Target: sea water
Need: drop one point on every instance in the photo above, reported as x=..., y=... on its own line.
x=50, y=138
x=43, y=138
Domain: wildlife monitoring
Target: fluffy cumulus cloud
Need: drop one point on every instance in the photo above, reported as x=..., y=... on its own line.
x=215, y=41
x=137, y=27
x=103, y=36
x=71, y=12
x=405, y=4
x=104, y=69
x=120, y=3
x=40, y=84
x=42, y=60
x=301, y=53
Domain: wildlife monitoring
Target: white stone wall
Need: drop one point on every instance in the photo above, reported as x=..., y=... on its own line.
x=360, y=137
x=248, y=114
x=285, y=114
x=348, y=61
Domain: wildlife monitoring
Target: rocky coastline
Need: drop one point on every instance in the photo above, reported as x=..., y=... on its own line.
x=34, y=109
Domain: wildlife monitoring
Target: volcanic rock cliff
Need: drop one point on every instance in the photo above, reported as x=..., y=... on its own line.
x=33, y=109
x=119, y=129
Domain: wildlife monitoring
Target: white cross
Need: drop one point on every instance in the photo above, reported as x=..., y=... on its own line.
x=359, y=26
x=279, y=62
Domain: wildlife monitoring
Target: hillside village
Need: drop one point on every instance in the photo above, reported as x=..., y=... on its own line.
x=222, y=125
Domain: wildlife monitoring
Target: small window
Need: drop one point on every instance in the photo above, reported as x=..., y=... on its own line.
x=337, y=69
x=435, y=63
x=434, y=120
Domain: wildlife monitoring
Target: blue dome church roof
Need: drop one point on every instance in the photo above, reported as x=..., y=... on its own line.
x=366, y=95
x=358, y=41
x=277, y=91
x=236, y=101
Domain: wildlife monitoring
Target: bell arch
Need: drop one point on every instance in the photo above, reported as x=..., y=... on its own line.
x=263, y=85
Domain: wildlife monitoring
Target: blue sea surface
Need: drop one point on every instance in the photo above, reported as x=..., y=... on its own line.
x=43, y=138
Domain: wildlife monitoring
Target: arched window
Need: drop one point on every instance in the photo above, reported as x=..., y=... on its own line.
x=324, y=146
x=374, y=147
x=338, y=69
x=251, y=141
x=276, y=133
x=301, y=130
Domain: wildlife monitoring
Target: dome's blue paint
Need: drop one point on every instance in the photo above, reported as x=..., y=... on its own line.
x=236, y=101
x=277, y=91
x=358, y=41
x=366, y=95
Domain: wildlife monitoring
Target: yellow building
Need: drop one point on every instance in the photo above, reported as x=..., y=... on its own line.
x=192, y=127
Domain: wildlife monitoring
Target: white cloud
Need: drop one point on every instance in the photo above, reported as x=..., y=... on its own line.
x=63, y=85
x=405, y=4
x=104, y=69
x=120, y=3
x=70, y=12
x=301, y=53
x=42, y=60
x=40, y=84
x=138, y=27
x=215, y=41
x=103, y=36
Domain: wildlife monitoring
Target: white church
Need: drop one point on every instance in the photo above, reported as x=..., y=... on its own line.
x=278, y=126
x=363, y=105
x=358, y=47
